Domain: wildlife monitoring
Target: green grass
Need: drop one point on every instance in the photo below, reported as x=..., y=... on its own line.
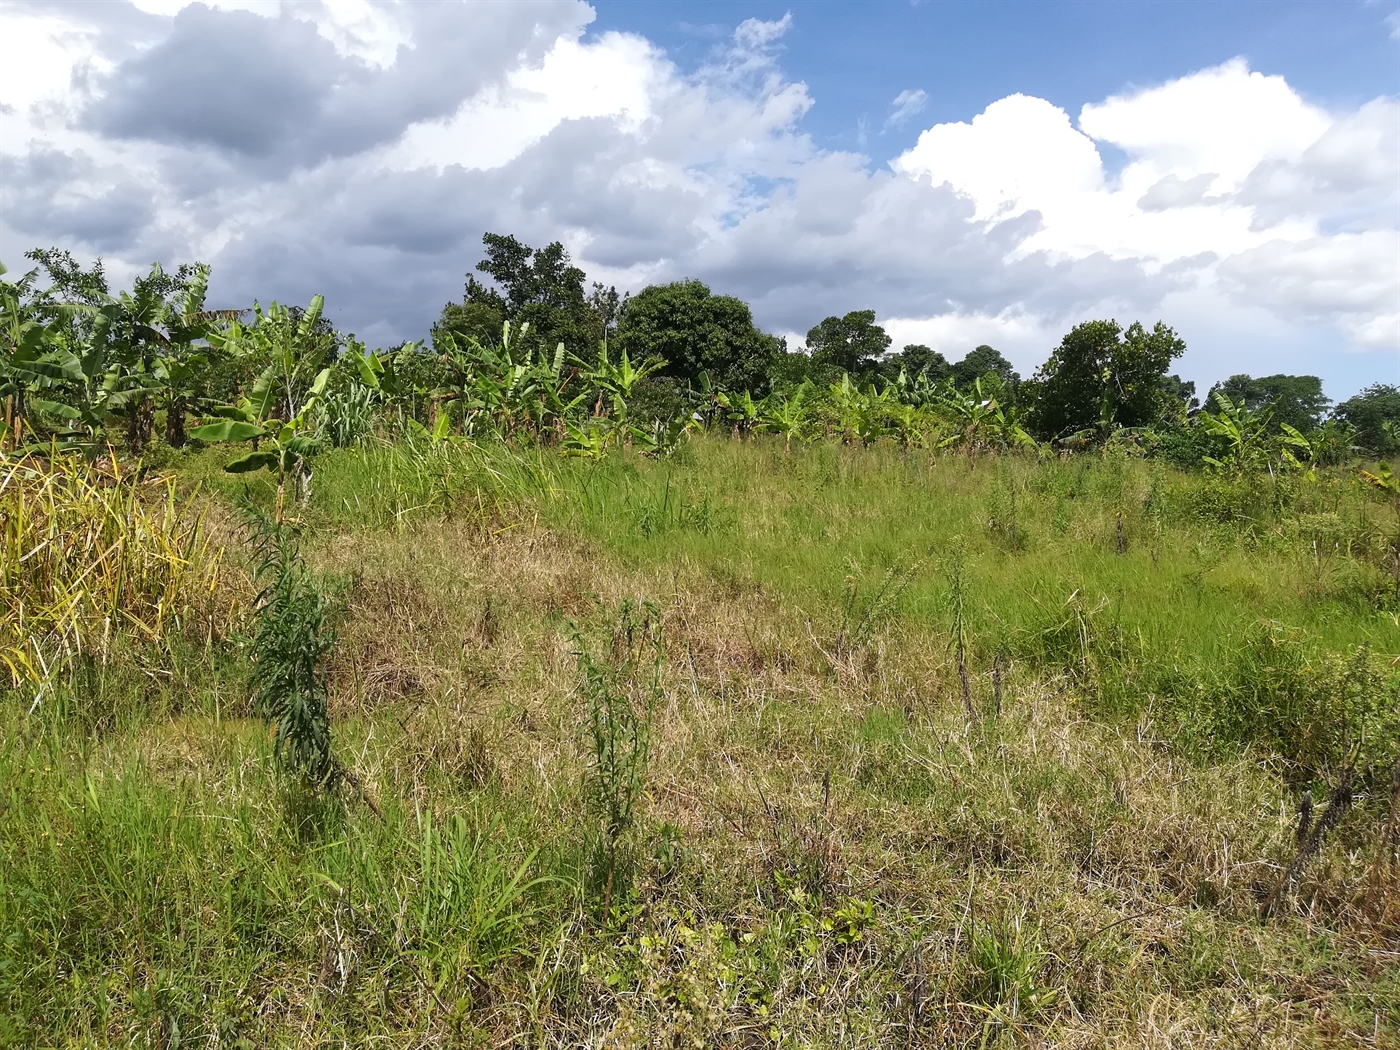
x=827, y=853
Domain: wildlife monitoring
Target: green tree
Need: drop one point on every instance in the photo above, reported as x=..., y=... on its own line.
x=695, y=332
x=978, y=363
x=916, y=359
x=1375, y=414
x=464, y=322
x=539, y=286
x=1101, y=377
x=1295, y=400
x=853, y=343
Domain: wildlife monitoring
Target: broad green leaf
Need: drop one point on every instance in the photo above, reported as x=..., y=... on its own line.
x=252, y=461
x=318, y=385
x=370, y=371
x=228, y=430
x=260, y=401
x=56, y=409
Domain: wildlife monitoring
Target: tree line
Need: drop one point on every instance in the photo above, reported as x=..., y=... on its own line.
x=1101, y=379
x=534, y=352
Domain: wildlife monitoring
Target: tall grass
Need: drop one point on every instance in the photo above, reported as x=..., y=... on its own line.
x=96, y=558
x=816, y=845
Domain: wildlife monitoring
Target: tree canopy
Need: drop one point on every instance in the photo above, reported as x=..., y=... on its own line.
x=695, y=331
x=1375, y=413
x=978, y=363
x=1101, y=376
x=1295, y=400
x=854, y=342
x=535, y=285
x=916, y=358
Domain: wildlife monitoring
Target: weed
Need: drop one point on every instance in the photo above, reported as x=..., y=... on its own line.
x=620, y=690
x=958, y=640
x=1005, y=979
x=290, y=643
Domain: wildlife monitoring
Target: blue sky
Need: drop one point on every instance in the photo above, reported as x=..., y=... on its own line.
x=974, y=172
x=857, y=57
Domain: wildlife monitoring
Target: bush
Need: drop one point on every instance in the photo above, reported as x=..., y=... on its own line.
x=1316, y=710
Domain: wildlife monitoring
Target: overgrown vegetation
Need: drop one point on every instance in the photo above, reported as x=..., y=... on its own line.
x=853, y=711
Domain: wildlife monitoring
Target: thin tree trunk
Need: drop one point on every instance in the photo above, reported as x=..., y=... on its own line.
x=14, y=420
x=175, y=421
x=139, y=423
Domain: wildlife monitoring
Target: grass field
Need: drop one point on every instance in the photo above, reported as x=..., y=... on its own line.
x=918, y=750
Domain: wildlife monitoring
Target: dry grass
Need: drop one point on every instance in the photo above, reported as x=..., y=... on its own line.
x=93, y=558
x=1139, y=874
x=830, y=853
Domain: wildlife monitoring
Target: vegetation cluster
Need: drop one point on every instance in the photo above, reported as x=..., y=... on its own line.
x=606, y=673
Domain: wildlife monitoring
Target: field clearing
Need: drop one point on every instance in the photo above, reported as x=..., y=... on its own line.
x=834, y=844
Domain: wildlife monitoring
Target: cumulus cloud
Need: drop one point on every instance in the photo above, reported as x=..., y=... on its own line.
x=1233, y=182
x=360, y=150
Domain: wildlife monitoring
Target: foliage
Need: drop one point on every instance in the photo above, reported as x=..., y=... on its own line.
x=1101, y=377
x=1297, y=401
x=852, y=343
x=1374, y=414
x=538, y=287
x=291, y=641
x=979, y=362
x=279, y=406
x=697, y=333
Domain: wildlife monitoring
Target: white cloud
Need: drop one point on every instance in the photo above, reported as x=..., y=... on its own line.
x=1232, y=181
x=613, y=77
x=1242, y=208
x=906, y=105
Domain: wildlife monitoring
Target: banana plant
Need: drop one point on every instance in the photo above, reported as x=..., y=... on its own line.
x=293, y=350
x=663, y=437
x=23, y=342
x=787, y=416
x=43, y=369
x=982, y=420
x=742, y=411
x=588, y=440
x=618, y=381
x=1244, y=431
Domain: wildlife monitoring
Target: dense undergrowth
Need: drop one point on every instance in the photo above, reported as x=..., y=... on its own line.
x=752, y=807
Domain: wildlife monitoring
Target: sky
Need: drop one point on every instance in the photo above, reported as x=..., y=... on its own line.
x=974, y=172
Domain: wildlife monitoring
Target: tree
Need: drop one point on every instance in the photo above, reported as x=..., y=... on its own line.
x=1295, y=400
x=464, y=322
x=853, y=343
x=916, y=359
x=538, y=286
x=1181, y=392
x=695, y=332
x=1375, y=413
x=1101, y=377
x=978, y=363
